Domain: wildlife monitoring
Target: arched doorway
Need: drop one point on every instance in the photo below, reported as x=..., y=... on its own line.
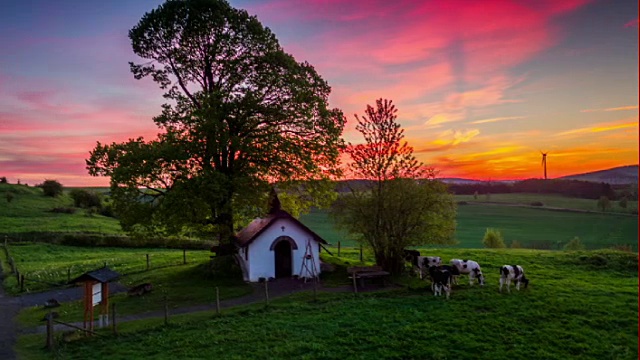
x=283, y=257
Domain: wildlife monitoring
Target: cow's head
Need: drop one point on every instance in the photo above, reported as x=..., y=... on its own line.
x=478, y=275
x=525, y=281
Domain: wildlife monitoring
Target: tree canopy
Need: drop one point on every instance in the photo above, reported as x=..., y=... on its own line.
x=401, y=205
x=241, y=114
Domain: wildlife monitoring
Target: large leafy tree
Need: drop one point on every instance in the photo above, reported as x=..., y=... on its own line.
x=241, y=114
x=400, y=204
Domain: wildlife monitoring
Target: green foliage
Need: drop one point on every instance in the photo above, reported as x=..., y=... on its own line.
x=493, y=239
x=400, y=204
x=243, y=114
x=604, y=203
x=515, y=244
x=51, y=188
x=85, y=199
x=9, y=196
x=590, y=312
x=574, y=244
x=623, y=203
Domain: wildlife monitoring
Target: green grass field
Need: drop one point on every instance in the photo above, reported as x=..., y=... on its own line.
x=549, y=200
x=578, y=305
x=30, y=211
x=47, y=265
x=532, y=227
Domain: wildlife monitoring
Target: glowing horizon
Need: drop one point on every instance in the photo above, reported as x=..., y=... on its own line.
x=481, y=87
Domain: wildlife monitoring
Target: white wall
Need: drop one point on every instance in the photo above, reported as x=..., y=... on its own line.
x=262, y=260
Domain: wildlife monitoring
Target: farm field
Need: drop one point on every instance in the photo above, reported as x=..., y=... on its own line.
x=532, y=227
x=557, y=201
x=578, y=305
x=183, y=285
x=30, y=211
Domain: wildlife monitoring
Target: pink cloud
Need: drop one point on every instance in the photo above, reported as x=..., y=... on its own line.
x=632, y=23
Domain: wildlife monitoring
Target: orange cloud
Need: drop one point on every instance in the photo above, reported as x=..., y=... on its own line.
x=621, y=108
x=596, y=128
x=497, y=119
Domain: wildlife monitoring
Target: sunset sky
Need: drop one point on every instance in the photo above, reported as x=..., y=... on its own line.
x=481, y=86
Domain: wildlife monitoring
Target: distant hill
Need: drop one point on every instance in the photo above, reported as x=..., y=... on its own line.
x=621, y=175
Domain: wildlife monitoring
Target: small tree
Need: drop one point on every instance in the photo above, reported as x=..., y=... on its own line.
x=574, y=244
x=3, y=180
x=51, y=188
x=604, y=203
x=515, y=244
x=400, y=203
x=623, y=203
x=493, y=239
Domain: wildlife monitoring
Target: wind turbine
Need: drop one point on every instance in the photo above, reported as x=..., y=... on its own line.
x=544, y=163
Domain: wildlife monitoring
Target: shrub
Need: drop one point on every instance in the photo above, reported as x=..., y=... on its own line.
x=3, y=180
x=475, y=195
x=85, y=199
x=493, y=239
x=9, y=196
x=623, y=203
x=51, y=188
x=515, y=244
x=537, y=203
x=604, y=203
x=574, y=244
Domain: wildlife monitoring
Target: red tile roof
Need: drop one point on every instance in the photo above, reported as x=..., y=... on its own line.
x=258, y=226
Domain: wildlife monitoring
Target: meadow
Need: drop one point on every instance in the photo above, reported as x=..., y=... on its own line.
x=30, y=211
x=578, y=305
x=531, y=227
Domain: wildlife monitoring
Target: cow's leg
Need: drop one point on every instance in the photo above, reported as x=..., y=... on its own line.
x=509, y=285
x=518, y=285
x=471, y=278
x=447, y=290
x=501, y=283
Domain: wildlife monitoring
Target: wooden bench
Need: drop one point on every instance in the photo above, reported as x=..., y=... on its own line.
x=362, y=273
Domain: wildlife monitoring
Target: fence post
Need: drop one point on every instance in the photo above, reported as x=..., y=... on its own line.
x=338, y=248
x=355, y=284
x=184, y=256
x=69, y=274
x=17, y=276
x=217, y=300
x=21, y=283
x=266, y=291
x=360, y=252
x=49, y=331
x=147, y=262
x=113, y=318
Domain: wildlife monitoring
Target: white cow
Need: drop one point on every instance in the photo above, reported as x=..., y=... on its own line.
x=425, y=262
x=468, y=267
x=510, y=273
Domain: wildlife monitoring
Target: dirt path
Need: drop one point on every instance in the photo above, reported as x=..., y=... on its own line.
x=277, y=289
x=9, y=308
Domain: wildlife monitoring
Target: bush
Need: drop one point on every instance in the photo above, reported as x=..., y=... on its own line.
x=493, y=239
x=9, y=196
x=51, y=188
x=604, y=203
x=3, y=180
x=623, y=203
x=515, y=244
x=537, y=203
x=574, y=244
x=85, y=199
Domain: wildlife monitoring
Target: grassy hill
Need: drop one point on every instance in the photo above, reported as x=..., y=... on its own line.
x=29, y=211
x=578, y=305
x=532, y=227
x=614, y=176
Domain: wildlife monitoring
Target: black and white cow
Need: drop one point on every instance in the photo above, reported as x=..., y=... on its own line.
x=440, y=280
x=468, y=267
x=510, y=273
x=426, y=262
x=411, y=256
